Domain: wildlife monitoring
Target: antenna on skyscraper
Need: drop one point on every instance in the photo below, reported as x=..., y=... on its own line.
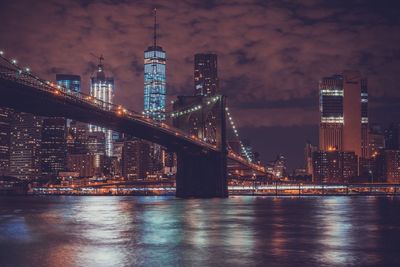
x=155, y=27
x=100, y=58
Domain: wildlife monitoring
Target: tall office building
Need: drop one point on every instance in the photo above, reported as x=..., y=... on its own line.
x=392, y=137
x=155, y=79
x=392, y=159
x=205, y=75
x=69, y=81
x=308, y=155
x=344, y=113
x=96, y=144
x=53, y=146
x=78, y=135
x=376, y=140
x=25, y=142
x=102, y=87
x=5, y=128
x=135, y=159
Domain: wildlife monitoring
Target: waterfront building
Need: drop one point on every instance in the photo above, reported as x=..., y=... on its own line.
x=102, y=88
x=135, y=159
x=344, y=98
x=25, y=143
x=84, y=164
x=53, y=146
x=334, y=166
x=5, y=128
x=392, y=159
x=278, y=167
x=206, y=75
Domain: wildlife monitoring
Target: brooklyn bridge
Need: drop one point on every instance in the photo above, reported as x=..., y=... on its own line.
x=201, y=164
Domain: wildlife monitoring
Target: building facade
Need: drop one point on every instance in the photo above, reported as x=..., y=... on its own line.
x=308, y=155
x=84, y=164
x=71, y=82
x=392, y=159
x=25, y=144
x=392, y=137
x=102, y=88
x=334, y=166
x=53, y=146
x=135, y=159
x=206, y=75
x=155, y=79
x=5, y=130
x=344, y=113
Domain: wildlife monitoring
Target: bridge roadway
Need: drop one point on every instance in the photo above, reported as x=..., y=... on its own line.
x=25, y=93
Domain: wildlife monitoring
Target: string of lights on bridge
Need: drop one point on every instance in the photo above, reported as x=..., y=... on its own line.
x=235, y=131
x=185, y=111
x=121, y=110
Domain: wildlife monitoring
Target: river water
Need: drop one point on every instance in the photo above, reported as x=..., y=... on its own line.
x=165, y=231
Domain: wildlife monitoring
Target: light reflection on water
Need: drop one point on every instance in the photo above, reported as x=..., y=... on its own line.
x=164, y=231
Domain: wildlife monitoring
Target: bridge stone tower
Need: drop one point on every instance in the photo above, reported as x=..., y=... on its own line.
x=202, y=173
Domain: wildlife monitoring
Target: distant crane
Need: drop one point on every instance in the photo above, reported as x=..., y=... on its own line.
x=100, y=58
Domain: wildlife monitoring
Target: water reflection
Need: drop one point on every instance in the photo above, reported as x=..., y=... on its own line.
x=164, y=231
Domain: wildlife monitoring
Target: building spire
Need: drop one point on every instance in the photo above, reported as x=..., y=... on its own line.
x=155, y=27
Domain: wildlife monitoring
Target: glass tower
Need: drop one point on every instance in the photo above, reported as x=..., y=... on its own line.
x=102, y=87
x=71, y=82
x=154, y=79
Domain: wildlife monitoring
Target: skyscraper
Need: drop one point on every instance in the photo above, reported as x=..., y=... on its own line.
x=344, y=113
x=135, y=159
x=25, y=146
x=308, y=154
x=392, y=137
x=155, y=79
x=69, y=81
x=5, y=128
x=53, y=146
x=205, y=75
x=102, y=87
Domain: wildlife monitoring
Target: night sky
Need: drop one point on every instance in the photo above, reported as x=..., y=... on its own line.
x=271, y=54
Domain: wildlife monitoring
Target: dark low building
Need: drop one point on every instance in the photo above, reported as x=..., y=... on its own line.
x=334, y=166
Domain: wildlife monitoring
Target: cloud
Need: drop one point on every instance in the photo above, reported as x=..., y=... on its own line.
x=271, y=54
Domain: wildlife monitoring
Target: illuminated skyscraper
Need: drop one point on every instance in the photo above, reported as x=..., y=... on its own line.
x=69, y=81
x=205, y=75
x=25, y=146
x=135, y=159
x=344, y=113
x=155, y=79
x=54, y=146
x=102, y=87
x=5, y=128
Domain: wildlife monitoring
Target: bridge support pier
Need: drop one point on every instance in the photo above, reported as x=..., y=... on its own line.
x=201, y=175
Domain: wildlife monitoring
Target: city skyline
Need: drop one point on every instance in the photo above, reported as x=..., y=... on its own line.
x=259, y=71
